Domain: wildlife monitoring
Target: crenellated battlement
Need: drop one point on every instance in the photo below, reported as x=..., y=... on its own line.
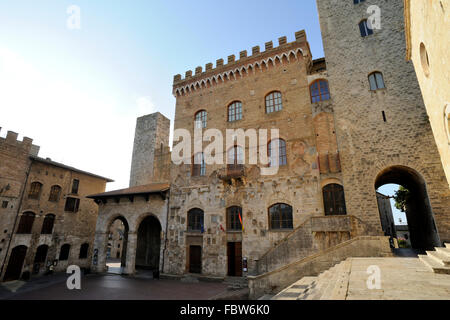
x=26, y=143
x=233, y=69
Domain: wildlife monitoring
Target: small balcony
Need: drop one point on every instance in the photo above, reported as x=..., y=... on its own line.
x=232, y=171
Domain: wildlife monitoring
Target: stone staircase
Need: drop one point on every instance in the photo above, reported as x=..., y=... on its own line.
x=236, y=283
x=439, y=260
x=328, y=285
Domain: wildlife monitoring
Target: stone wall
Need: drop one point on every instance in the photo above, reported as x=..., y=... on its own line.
x=132, y=213
x=368, y=143
x=14, y=166
x=427, y=34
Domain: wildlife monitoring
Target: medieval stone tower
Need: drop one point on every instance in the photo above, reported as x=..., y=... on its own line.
x=151, y=140
x=382, y=127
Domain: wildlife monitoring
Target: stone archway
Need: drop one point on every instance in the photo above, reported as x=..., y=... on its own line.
x=15, y=264
x=115, y=237
x=422, y=227
x=148, y=247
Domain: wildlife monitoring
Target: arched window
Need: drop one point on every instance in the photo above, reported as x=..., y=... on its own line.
x=201, y=119
x=282, y=155
x=234, y=218
x=198, y=166
x=35, y=190
x=64, y=253
x=55, y=192
x=26, y=223
x=334, y=200
x=274, y=102
x=280, y=216
x=364, y=28
x=195, y=220
x=235, y=161
x=319, y=91
x=47, y=225
x=235, y=111
x=41, y=254
x=376, y=81
x=84, y=249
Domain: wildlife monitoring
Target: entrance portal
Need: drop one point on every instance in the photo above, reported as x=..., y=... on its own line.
x=16, y=259
x=148, y=244
x=234, y=251
x=117, y=246
x=195, y=259
x=422, y=227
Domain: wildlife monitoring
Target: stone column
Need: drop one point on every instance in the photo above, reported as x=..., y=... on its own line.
x=100, y=244
x=131, y=254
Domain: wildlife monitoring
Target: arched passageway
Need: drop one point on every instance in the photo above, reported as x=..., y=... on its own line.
x=148, y=244
x=422, y=227
x=117, y=242
x=15, y=264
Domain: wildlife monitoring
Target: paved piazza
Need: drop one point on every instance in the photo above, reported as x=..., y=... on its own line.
x=111, y=287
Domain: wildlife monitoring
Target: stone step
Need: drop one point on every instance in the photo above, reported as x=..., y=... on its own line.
x=296, y=290
x=321, y=285
x=329, y=286
x=445, y=251
x=447, y=245
x=433, y=265
x=440, y=258
x=337, y=290
x=266, y=297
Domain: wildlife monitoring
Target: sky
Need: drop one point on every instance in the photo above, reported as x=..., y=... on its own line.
x=76, y=86
x=78, y=91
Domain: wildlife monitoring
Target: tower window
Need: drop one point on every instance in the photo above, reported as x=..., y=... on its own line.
x=235, y=111
x=376, y=81
x=319, y=91
x=274, y=102
x=201, y=118
x=199, y=166
x=364, y=28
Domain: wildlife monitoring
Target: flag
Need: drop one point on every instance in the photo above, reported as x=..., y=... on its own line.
x=240, y=219
x=221, y=228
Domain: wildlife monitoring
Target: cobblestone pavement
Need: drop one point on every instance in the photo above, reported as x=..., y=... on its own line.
x=110, y=287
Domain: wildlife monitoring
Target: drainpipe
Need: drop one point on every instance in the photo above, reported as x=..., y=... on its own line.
x=19, y=207
x=167, y=225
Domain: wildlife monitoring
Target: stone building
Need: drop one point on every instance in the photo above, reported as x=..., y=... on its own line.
x=115, y=240
x=427, y=28
x=382, y=127
x=348, y=123
x=46, y=217
x=386, y=216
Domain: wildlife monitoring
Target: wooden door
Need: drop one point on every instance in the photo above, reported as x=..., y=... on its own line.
x=238, y=259
x=234, y=252
x=14, y=269
x=195, y=259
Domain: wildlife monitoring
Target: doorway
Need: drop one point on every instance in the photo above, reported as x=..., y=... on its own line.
x=16, y=259
x=148, y=244
x=195, y=259
x=117, y=242
x=234, y=253
x=423, y=232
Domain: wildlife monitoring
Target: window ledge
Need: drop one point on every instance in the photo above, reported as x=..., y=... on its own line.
x=281, y=230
